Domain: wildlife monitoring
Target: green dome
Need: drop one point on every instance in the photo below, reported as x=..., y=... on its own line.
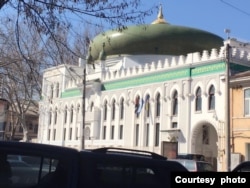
x=157, y=38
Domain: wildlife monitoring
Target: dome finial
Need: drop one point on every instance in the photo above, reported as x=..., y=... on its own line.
x=160, y=14
x=160, y=19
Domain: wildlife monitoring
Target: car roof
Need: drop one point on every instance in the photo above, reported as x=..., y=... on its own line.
x=110, y=154
x=128, y=152
x=39, y=149
x=126, y=158
x=242, y=165
x=190, y=160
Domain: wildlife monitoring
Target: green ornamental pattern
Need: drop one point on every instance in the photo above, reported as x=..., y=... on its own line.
x=71, y=93
x=208, y=69
x=167, y=75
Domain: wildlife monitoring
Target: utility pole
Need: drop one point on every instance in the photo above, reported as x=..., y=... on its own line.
x=227, y=105
x=83, y=63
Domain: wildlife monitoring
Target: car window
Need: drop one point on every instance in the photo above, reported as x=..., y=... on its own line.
x=14, y=157
x=196, y=157
x=30, y=171
x=190, y=165
x=205, y=167
x=244, y=169
x=32, y=165
x=25, y=173
x=181, y=161
x=111, y=169
x=31, y=160
x=16, y=163
x=115, y=175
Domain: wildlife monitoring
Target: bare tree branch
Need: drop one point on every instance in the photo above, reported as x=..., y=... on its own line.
x=3, y=2
x=50, y=16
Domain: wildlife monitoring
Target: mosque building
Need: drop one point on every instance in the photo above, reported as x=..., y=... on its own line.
x=156, y=87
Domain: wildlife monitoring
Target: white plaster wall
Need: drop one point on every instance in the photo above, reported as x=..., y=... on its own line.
x=187, y=118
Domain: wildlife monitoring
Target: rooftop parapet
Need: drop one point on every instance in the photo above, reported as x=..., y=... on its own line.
x=177, y=62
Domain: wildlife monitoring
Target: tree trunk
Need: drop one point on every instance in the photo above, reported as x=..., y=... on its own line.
x=25, y=134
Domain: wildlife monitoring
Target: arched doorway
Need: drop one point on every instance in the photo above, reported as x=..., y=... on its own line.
x=204, y=141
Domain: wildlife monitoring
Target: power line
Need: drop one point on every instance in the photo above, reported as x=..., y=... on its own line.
x=236, y=8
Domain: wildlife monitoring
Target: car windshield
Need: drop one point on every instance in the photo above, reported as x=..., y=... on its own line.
x=195, y=157
x=202, y=166
x=190, y=165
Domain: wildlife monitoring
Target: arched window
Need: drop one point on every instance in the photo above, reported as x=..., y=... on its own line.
x=52, y=91
x=137, y=106
x=65, y=114
x=105, y=110
x=50, y=116
x=71, y=114
x=157, y=134
x=55, y=117
x=87, y=133
x=57, y=89
x=198, y=99
x=147, y=105
x=91, y=107
x=175, y=103
x=113, y=110
x=211, y=98
x=122, y=108
x=78, y=113
x=158, y=105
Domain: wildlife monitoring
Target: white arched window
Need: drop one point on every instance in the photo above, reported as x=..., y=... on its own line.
x=105, y=110
x=158, y=105
x=122, y=108
x=198, y=99
x=175, y=103
x=211, y=98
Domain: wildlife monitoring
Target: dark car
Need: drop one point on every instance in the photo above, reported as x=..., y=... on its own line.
x=61, y=167
x=196, y=166
x=33, y=175
x=116, y=167
x=196, y=157
x=242, y=167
